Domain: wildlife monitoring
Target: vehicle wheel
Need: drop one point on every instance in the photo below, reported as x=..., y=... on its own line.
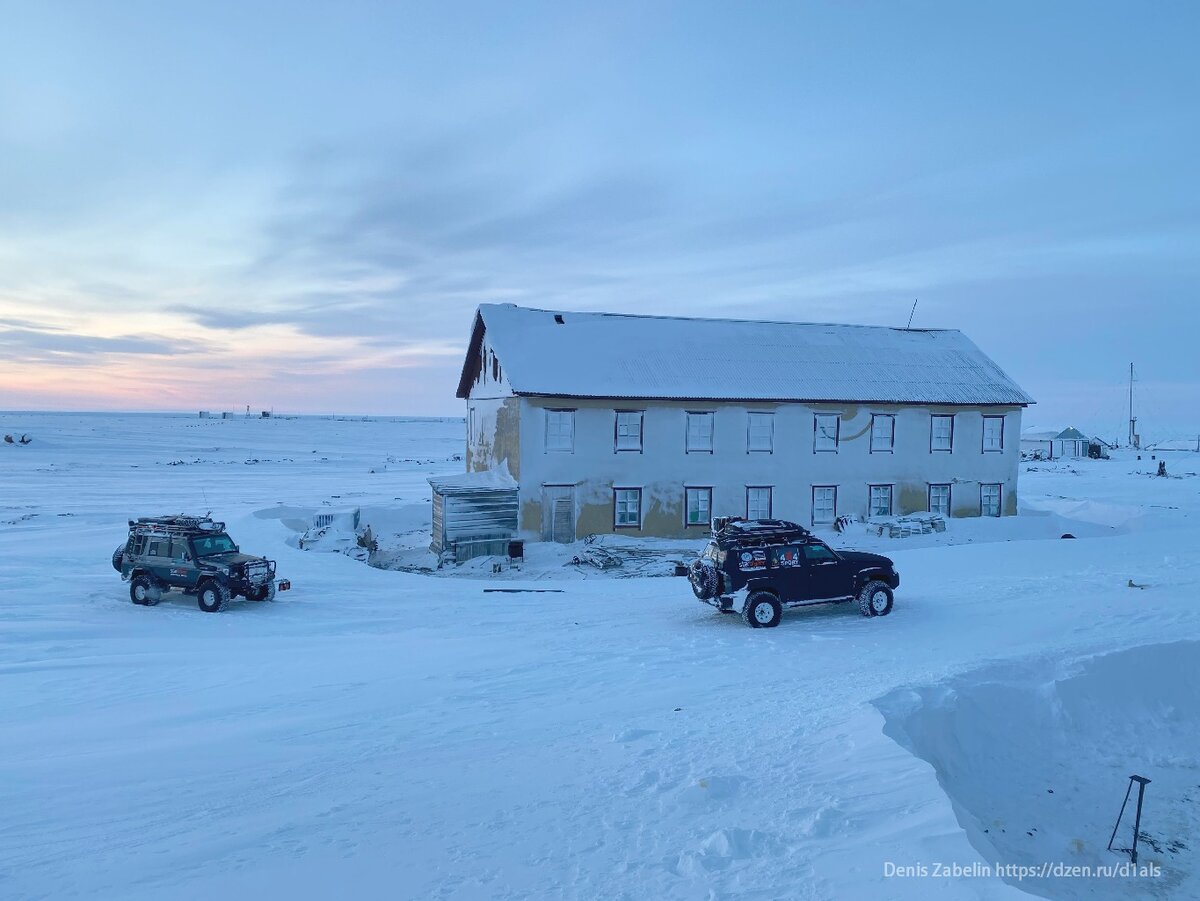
x=264, y=593
x=140, y=590
x=704, y=580
x=875, y=599
x=118, y=558
x=762, y=610
x=212, y=596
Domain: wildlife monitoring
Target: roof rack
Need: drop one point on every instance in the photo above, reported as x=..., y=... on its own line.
x=764, y=529
x=180, y=524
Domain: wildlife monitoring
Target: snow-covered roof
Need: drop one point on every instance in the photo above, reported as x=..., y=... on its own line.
x=1070, y=433
x=495, y=479
x=1037, y=433
x=610, y=355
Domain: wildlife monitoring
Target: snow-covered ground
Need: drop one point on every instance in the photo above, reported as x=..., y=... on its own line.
x=397, y=735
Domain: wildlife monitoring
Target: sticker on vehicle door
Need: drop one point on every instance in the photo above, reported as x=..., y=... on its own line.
x=785, y=556
x=752, y=560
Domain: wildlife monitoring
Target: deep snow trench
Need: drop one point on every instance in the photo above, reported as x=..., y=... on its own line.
x=1036, y=757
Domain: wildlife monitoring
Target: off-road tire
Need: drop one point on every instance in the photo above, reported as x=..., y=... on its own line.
x=263, y=593
x=212, y=596
x=140, y=589
x=705, y=580
x=875, y=598
x=118, y=558
x=762, y=610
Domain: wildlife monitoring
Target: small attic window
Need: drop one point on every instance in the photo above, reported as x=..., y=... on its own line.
x=558, y=318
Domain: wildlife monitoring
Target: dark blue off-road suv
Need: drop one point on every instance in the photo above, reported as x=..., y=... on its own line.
x=758, y=567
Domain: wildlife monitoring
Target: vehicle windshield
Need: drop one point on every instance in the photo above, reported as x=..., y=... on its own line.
x=213, y=544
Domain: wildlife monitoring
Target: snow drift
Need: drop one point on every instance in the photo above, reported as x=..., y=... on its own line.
x=1036, y=759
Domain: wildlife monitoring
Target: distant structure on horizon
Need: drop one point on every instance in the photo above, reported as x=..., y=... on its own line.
x=651, y=426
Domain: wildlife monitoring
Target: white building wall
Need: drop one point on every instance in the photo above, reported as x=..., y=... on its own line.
x=663, y=468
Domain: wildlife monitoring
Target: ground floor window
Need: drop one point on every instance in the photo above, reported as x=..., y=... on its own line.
x=939, y=499
x=881, y=500
x=627, y=507
x=699, y=506
x=989, y=500
x=824, y=504
x=758, y=503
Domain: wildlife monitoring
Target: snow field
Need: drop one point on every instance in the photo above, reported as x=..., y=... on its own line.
x=392, y=735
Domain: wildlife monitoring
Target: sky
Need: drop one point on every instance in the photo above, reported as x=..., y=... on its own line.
x=298, y=206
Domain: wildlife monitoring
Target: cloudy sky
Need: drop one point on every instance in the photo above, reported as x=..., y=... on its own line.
x=299, y=205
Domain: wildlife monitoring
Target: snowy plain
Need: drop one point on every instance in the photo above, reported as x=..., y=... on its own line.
x=385, y=734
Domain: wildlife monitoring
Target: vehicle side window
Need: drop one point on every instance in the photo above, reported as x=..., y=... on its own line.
x=818, y=553
x=785, y=557
x=160, y=547
x=179, y=550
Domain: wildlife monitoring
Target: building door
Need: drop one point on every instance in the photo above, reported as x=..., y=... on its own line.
x=558, y=513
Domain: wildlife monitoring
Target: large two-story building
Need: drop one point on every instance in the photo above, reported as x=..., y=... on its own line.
x=652, y=425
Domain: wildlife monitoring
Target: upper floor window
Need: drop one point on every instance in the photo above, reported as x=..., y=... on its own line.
x=560, y=430
x=700, y=433
x=993, y=433
x=627, y=507
x=699, y=506
x=629, y=430
x=941, y=433
x=760, y=433
x=883, y=434
x=826, y=431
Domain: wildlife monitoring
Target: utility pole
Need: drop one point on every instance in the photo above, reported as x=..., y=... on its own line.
x=1133, y=436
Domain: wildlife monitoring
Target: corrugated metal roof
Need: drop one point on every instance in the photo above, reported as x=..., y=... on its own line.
x=620, y=356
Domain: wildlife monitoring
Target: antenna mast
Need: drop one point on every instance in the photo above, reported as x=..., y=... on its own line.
x=910, y=314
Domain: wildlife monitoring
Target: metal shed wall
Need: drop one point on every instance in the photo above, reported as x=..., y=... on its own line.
x=474, y=522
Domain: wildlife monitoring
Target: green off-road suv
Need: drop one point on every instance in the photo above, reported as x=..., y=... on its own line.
x=191, y=553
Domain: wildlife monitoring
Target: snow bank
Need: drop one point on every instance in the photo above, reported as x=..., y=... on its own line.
x=1036, y=759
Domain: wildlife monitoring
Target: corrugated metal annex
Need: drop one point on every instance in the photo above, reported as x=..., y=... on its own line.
x=608, y=355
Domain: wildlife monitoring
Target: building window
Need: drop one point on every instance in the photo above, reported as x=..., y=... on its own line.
x=627, y=508
x=560, y=431
x=941, y=433
x=883, y=434
x=824, y=504
x=826, y=431
x=993, y=433
x=471, y=425
x=881, y=500
x=700, y=433
x=989, y=500
x=629, y=430
x=699, y=506
x=939, y=499
x=760, y=433
x=758, y=502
